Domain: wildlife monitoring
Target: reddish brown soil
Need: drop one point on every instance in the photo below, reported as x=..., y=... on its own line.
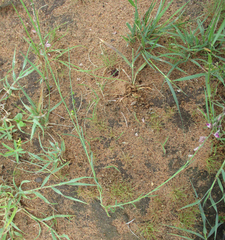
x=117, y=138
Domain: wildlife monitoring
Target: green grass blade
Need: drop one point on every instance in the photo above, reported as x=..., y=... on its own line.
x=218, y=34
x=190, y=77
x=41, y=197
x=71, y=198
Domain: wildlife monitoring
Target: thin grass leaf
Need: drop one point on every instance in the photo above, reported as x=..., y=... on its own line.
x=41, y=196
x=220, y=185
x=13, y=66
x=216, y=219
x=74, y=180
x=214, y=230
x=57, y=105
x=183, y=237
x=24, y=26
x=45, y=180
x=117, y=51
x=188, y=231
x=132, y=3
x=63, y=51
x=190, y=77
x=218, y=34
x=36, y=68
x=12, y=216
x=65, y=236
x=53, y=235
x=167, y=80
x=113, y=167
x=71, y=198
x=56, y=216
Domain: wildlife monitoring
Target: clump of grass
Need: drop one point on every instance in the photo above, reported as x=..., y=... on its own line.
x=15, y=151
x=208, y=229
x=178, y=194
x=187, y=217
x=148, y=230
x=156, y=122
x=10, y=206
x=214, y=160
x=108, y=60
x=87, y=193
x=213, y=6
x=122, y=191
x=147, y=31
x=199, y=41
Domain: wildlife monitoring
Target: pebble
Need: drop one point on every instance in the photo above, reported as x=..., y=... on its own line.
x=38, y=180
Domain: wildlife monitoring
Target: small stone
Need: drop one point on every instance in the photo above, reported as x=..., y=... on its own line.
x=38, y=180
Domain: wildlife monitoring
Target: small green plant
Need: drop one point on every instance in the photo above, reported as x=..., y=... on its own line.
x=122, y=191
x=148, y=230
x=50, y=161
x=187, y=217
x=163, y=145
x=214, y=5
x=178, y=194
x=127, y=158
x=19, y=121
x=10, y=206
x=148, y=29
x=6, y=130
x=16, y=152
x=199, y=41
x=155, y=122
x=108, y=60
x=208, y=230
x=213, y=162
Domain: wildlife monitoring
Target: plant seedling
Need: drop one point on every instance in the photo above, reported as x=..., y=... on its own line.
x=16, y=152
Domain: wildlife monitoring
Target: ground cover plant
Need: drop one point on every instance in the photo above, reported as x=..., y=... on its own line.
x=91, y=138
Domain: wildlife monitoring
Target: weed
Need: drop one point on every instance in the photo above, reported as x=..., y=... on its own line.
x=6, y=130
x=187, y=217
x=169, y=112
x=213, y=6
x=148, y=230
x=10, y=206
x=155, y=122
x=178, y=194
x=147, y=30
x=127, y=158
x=210, y=41
x=163, y=144
x=122, y=191
x=108, y=60
x=50, y=161
x=16, y=152
x=88, y=194
x=213, y=162
x=206, y=234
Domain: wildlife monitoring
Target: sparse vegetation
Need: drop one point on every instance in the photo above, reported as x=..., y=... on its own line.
x=199, y=45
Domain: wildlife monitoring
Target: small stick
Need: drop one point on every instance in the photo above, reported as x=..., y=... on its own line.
x=125, y=119
x=58, y=115
x=81, y=99
x=90, y=58
x=130, y=228
x=158, y=90
x=126, y=74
